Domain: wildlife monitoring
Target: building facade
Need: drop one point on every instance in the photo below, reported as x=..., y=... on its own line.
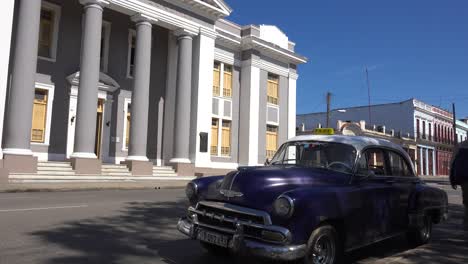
x=141, y=82
x=430, y=126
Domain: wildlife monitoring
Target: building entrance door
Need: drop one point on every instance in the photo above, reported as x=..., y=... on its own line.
x=100, y=111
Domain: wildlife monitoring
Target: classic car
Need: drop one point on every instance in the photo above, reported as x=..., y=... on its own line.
x=318, y=198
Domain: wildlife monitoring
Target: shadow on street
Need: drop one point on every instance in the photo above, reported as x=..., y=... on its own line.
x=145, y=232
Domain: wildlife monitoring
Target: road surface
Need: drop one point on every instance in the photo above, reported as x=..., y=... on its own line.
x=138, y=226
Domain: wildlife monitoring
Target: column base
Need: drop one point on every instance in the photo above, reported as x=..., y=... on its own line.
x=140, y=168
x=3, y=174
x=20, y=163
x=184, y=169
x=86, y=166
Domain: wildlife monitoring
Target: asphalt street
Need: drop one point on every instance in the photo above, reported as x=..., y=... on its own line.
x=138, y=226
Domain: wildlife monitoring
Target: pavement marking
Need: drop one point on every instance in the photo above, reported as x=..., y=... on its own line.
x=43, y=208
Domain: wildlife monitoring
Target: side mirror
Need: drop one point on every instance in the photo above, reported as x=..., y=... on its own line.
x=267, y=162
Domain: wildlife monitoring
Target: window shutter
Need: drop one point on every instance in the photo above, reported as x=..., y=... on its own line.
x=45, y=33
x=272, y=89
x=227, y=89
x=214, y=136
x=216, y=78
x=127, y=132
x=271, y=141
x=226, y=138
x=39, y=116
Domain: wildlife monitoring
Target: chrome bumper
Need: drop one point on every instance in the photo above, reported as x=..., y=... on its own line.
x=241, y=245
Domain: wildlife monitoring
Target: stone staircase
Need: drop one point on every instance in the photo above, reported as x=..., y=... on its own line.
x=165, y=171
x=54, y=171
x=55, y=168
x=115, y=170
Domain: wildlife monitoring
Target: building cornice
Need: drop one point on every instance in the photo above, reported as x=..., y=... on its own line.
x=164, y=18
x=252, y=42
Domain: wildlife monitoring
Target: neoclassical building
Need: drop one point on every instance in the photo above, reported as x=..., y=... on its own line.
x=141, y=82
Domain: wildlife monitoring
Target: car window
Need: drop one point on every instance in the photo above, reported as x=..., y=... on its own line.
x=398, y=165
x=372, y=162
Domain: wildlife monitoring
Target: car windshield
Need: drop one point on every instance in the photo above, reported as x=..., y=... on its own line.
x=327, y=155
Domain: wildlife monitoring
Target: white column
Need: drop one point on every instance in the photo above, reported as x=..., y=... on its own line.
x=427, y=160
x=434, y=172
x=204, y=96
x=249, y=113
x=292, y=105
x=6, y=13
x=421, y=163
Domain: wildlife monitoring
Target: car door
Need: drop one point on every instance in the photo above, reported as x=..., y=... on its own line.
x=405, y=183
x=378, y=197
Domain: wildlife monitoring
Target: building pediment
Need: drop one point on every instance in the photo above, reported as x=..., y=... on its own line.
x=106, y=83
x=216, y=8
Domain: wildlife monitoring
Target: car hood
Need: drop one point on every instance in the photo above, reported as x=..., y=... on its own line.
x=258, y=187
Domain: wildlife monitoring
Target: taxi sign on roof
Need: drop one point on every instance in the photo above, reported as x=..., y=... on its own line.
x=323, y=131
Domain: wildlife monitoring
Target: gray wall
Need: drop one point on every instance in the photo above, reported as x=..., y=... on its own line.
x=397, y=116
x=68, y=62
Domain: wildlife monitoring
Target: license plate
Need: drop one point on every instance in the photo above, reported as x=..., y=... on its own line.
x=213, y=238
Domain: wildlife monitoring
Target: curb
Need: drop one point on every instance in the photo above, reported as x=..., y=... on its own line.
x=48, y=187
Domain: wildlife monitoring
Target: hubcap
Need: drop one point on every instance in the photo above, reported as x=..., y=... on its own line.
x=323, y=251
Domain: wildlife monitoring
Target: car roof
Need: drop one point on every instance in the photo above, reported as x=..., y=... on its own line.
x=358, y=142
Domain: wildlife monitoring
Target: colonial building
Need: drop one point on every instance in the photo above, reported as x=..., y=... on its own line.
x=141, y=82
x=431, y=127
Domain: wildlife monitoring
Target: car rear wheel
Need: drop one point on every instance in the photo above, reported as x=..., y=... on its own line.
x=214, y=249
x=420, y=235
x=324, y=246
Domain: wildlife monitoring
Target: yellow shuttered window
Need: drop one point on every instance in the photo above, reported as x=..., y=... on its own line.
x=45, y=33
x=272, y=89
x=227, y=84
x=271, y=141
x=214, y=136
x=39, y=116
x=226, y=138
x=216, y=78
x=127, y=131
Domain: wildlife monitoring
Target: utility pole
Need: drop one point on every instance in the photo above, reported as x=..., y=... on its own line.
x=454, y=125
x=368, y=95
x=328, y=108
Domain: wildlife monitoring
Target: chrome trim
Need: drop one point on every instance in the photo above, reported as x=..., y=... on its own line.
x=283, y=231
x=291, y=203
x=241, y=244
x=238, y=209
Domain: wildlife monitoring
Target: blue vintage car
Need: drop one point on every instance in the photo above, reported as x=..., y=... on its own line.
x=319, y=197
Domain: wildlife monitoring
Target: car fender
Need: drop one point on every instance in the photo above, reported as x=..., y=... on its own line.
x=312, y=207
x=424, y=200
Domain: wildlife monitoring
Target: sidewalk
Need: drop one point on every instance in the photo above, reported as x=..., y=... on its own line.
x=438, y=179
x=83, y=185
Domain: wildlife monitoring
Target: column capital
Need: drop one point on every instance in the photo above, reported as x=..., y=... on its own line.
x=184, y=33
x=95, y=3
x=143, y=19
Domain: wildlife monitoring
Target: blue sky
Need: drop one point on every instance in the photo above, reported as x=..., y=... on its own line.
x=413, y=48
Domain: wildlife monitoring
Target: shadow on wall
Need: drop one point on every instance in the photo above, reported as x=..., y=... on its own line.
x=144, y=232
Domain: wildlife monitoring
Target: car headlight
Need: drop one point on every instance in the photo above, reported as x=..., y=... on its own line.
x=283, y=206
x=191, y=191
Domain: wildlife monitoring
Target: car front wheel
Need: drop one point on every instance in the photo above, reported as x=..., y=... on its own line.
x=324, y=246
x=420, y=235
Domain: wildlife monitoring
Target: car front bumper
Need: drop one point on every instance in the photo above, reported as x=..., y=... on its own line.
x=239, y=244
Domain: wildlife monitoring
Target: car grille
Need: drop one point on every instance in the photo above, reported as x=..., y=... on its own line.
x=225, y=217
